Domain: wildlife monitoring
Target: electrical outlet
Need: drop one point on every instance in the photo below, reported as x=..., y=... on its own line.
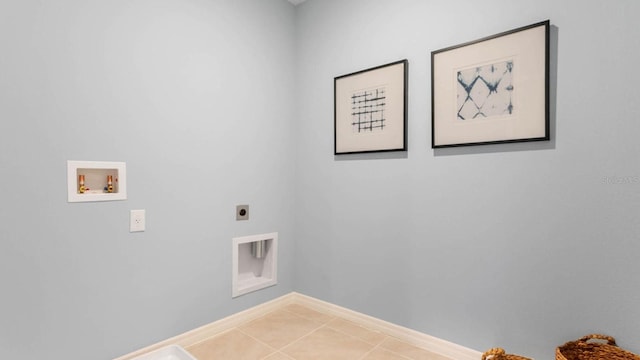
x=242, y=212
x=137, y=221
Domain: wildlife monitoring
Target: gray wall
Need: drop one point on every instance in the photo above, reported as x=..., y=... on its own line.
x=195, y=96
x=521, y=246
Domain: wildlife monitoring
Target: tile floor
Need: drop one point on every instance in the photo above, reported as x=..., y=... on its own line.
x=295, y=332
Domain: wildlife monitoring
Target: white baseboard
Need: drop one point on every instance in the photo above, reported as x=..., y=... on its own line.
x=427, y=342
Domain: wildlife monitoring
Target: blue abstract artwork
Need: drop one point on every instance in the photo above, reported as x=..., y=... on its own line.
x=485, y=91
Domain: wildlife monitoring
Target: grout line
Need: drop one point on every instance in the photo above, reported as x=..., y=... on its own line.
x=260, y=341
x=304, y=336
x=367, y=353
x=326, y=326
x=356, y=336
x=361, y=326
x=320, y=325
x=387, y=350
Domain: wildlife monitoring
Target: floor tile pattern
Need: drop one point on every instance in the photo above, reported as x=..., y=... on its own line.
x=295, y=332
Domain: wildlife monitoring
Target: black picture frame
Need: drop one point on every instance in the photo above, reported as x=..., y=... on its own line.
x=370, y=110
x=493, y=90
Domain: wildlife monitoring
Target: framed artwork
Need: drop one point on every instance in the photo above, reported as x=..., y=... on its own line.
x=492, y=90
x=370, y=110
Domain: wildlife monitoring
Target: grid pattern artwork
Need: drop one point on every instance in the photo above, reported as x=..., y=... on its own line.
x=368, y=110
x=486, y=91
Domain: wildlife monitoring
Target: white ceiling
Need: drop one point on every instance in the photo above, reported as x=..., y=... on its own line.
x=296, y=2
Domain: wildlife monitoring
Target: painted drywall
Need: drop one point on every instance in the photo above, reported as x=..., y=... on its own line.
x=523, y=246
x=195, y=96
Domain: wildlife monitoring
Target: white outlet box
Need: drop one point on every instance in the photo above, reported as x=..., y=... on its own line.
x=137, y=221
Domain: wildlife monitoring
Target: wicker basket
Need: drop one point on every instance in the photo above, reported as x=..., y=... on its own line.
x=499, y=354
x=585, y=349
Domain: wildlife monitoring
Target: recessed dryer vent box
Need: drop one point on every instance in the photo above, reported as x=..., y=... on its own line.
x=96, y=181
x=254, y=263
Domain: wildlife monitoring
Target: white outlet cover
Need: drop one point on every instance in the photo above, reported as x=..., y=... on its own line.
x=137, y=221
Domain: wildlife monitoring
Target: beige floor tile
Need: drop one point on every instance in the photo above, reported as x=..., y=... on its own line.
x=309, y=313
x=279, y=328
x=353, y=329
x=326, y=343
x=278, y=356
x=230, y=345
x=410, y=351
x=381, y=354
